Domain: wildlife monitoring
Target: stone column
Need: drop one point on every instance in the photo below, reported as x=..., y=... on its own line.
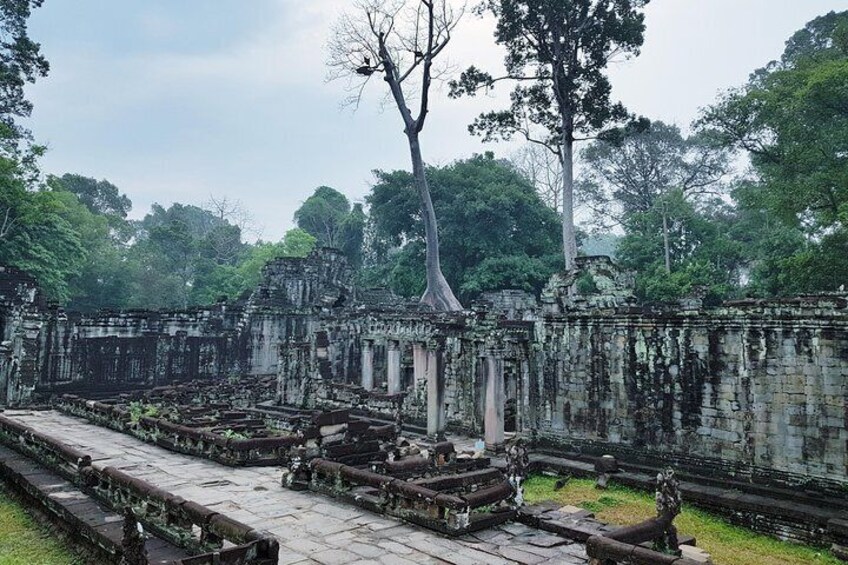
x=367, y=364
x=419, y=362
x=5, y=366
x=393, y=362
x=523, y=410
x=493, y=420
x=435, y=394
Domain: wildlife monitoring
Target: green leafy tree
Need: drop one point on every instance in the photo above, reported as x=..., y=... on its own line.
x=792, y=120
x=105, y=281
x=498, y=233
x=224, y=281
x=780, y=259
x=704, y=258
x=71, y=249
x=400, y=41
x=295, y=243
x=21, y=62
x=556, y=54
x=178, y=252
x=353, y=235
x=99, y=196
x=42, y=239
x=327, y=215
x=635, y=170
x=323, y=215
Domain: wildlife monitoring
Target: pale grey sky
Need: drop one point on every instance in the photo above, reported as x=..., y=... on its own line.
x=176, y=101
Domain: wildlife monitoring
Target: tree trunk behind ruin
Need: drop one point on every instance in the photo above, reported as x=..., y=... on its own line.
x=666, y=249
x=569, y=238
x=438, y=294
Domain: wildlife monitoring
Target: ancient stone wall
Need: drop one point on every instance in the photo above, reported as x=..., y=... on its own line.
x=111, y=351
x=21, y=307
x=752, y=390
x=45, y=350
x=755, y=391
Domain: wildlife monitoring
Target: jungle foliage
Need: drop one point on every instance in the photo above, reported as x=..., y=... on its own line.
x=675, y=203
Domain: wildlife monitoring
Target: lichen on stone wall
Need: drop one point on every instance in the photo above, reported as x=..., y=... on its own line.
x=753, y=390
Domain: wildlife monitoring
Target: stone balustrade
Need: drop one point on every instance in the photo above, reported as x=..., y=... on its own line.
x=214, y=537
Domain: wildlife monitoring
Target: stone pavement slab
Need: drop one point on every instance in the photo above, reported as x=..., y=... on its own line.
x=311, y=528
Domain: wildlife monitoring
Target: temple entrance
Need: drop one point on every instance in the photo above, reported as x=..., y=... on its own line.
x=510, y=415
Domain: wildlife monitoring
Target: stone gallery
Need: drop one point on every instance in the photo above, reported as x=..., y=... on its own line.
x=316, y=420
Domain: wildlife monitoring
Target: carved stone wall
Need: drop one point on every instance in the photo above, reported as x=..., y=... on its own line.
x=21, y=313
x=749, y=390
x=755, y=391
x=752, y=390
x=45, y=350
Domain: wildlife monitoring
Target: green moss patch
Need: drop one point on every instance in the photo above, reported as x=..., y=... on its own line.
x=728, y=544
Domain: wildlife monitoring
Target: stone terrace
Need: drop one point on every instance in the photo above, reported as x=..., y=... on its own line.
x=311, y=529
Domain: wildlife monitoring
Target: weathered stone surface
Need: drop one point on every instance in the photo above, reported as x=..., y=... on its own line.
x=308, y=527
x=750, y=391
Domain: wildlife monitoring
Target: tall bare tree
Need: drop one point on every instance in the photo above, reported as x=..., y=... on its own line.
x=234, y=212
x=399, y=40
x=541, y=167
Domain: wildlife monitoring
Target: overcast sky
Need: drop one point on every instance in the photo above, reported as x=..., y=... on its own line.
x=177, y=101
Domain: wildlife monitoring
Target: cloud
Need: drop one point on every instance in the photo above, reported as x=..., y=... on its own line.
x=173, y=101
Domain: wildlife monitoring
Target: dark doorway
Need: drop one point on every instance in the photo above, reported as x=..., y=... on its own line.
x=510, y=415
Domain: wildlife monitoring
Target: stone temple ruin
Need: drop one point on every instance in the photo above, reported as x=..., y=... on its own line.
x=350, y=395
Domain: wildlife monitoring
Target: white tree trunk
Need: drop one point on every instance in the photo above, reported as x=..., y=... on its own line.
x=438, y=294
x=569, y=237
x=665, y=241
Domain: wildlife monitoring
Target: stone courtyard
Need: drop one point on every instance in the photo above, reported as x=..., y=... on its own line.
x=310, y=528
x=310, y=422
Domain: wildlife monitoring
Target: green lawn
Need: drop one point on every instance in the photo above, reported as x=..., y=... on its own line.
x=728, y=544
x=25, y=542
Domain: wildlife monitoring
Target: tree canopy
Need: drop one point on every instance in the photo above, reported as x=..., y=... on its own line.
x=328, y=217
x=557, y=52
x=791, y=119
x=497, y=231
x=639, y=170
x=21, y=62
x=669, y=201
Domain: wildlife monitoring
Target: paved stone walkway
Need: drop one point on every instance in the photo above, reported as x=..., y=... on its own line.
x=311, y=528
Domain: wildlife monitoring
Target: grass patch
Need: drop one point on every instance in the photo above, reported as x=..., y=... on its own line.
x=728, y=544
x=25, y=542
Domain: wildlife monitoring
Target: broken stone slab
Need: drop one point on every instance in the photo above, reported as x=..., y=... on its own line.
x=578, y=530
x=606, y=464
x=333, y=429
x=696, y=554
x=575, y=511
x=490, y=495
x=331, y=418
x=543, y=540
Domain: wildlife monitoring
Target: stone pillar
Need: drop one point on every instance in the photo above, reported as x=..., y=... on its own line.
x=419, y=363
x=523, y=410
x=367, y=364
x=393, y=370
x=435, y=394
x=493, y=420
